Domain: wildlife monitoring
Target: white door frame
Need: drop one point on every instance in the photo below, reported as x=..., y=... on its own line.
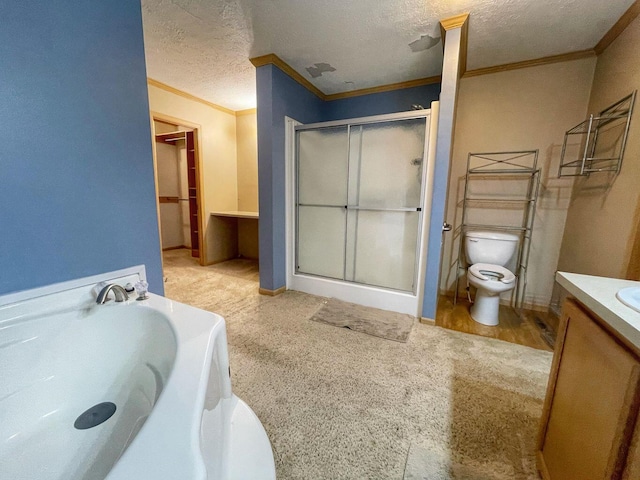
x=370, y=296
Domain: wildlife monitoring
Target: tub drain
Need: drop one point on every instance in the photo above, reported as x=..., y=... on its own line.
x=95, y=415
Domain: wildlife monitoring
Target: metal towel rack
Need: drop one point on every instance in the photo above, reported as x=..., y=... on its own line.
x=612, y=123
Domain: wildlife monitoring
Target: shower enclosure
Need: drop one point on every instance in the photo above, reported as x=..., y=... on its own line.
x=358, y=210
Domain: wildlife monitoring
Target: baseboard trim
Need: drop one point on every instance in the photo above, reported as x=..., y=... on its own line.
x=535, y=307
x=271, y=293
x=450, y=294
x=555, y=309
x=427, y=321
x=175, y=248
x=528, y=304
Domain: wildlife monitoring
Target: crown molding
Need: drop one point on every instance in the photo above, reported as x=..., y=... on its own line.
x=273, y=59
x=614, y=32
x=384, y=88
x=248, y=111
x=169, y=88
x=458, y=21
x=565, y=57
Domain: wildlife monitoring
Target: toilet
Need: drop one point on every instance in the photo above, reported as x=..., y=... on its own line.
x=488, y=253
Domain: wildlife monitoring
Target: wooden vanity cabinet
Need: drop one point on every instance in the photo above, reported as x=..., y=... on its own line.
x=632, y=468
x=589, y=428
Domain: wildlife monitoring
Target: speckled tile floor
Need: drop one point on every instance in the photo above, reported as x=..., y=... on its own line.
x=339, y=404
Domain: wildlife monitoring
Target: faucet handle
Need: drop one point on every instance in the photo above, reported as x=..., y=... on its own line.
x=98, y=288
x=141, y=289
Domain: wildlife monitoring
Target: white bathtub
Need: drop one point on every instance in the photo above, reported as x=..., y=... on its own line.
x=164, y=366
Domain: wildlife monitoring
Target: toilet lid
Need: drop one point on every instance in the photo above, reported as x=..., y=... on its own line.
x=487, y=271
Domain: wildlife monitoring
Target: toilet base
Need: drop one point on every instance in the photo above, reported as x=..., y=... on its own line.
x=485, y=308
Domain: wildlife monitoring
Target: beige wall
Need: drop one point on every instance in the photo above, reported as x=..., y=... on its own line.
x=524, y=109
x=247, y=147
x=248, y=235
x=603, y=216
x=218, y=156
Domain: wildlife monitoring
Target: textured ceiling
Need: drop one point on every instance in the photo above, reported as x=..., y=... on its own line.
x=203, y=46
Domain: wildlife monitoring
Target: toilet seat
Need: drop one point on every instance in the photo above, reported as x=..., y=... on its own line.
x=485, y=271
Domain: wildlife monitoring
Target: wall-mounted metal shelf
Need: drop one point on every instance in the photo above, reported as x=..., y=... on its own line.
x=601, y=139
x=485, y=168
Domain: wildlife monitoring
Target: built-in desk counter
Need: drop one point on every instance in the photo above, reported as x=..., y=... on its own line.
x=236, y=214
x=589, y=427
x=236, y=235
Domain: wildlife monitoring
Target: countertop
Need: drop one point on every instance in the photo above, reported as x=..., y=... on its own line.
x=599, y=295
x=236, y=214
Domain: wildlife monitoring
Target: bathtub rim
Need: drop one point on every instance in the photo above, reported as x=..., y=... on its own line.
x=19, y=296
x=162, y=448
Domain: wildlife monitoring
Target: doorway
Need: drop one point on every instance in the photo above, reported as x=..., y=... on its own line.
x=178, y=185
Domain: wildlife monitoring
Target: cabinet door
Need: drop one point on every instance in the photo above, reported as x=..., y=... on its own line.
x=592, y=404
x=632, y=468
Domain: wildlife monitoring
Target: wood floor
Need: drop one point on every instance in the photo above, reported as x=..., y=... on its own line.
x=525, y=327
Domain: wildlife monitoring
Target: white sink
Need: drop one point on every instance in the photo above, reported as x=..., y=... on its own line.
x=630, y=296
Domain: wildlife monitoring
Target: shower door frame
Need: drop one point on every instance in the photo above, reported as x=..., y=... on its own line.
x=372, y=296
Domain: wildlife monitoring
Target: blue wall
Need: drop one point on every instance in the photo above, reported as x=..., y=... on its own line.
x=279, y=95
x=444, y=144
x=381, y=103
x=78, y=194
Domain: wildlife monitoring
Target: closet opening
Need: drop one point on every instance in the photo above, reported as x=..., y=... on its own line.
x=178, y=185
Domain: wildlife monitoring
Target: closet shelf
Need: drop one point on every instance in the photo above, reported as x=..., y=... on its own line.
x=613, y=123
x=171, y=137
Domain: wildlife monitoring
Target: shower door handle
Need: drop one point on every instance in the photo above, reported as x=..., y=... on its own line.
x=380, y=209
x=446, y=227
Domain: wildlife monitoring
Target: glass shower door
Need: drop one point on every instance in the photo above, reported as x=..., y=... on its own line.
x=322, y=196
x=385, y=198
x=359, y=197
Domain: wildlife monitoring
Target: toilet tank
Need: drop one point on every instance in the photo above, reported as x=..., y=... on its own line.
x=490, y=247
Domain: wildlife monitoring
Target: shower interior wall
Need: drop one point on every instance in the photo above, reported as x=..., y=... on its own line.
x=279, y=96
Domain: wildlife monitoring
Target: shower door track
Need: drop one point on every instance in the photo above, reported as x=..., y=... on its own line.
x=358, y=207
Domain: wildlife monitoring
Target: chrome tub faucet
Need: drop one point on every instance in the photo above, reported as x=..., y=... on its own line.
x=118, y=292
